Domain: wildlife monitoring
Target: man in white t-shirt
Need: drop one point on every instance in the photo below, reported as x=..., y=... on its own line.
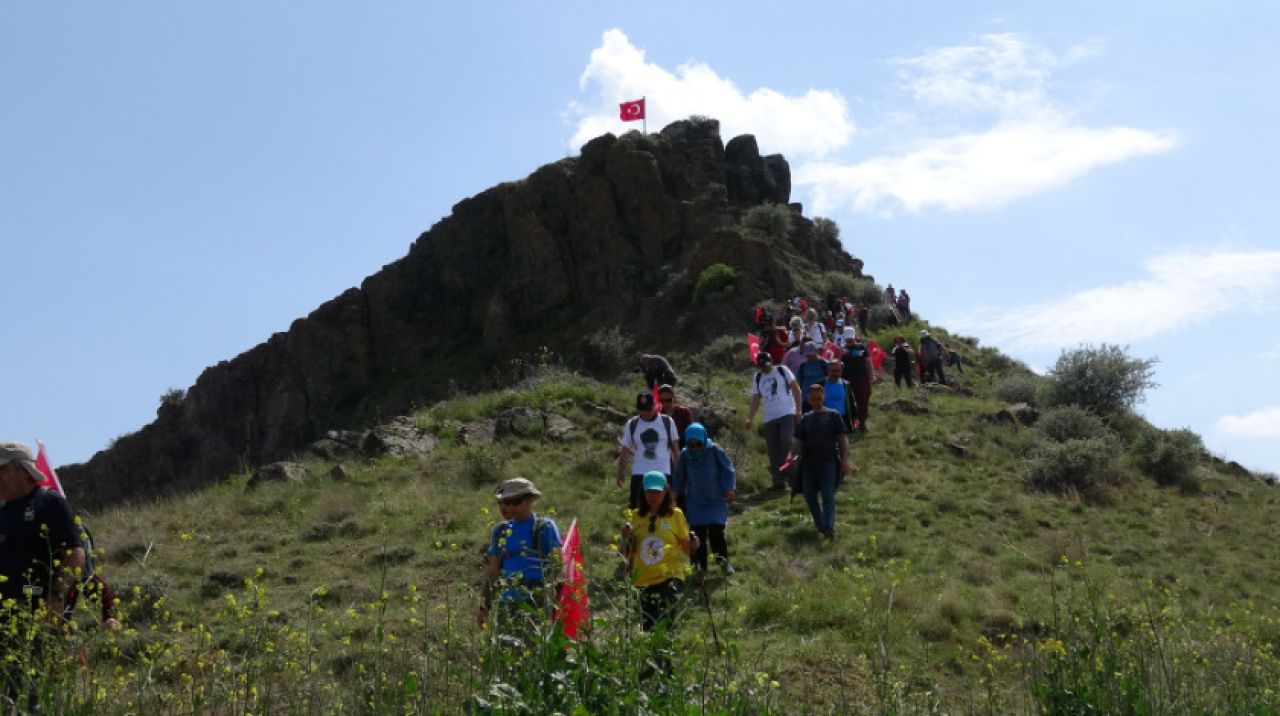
x=778, y=390
x=649, y=442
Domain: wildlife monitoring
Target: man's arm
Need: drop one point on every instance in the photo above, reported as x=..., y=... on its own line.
x=624, y=464
x=65, y=575
x=751, y=414
x=844, y=455
x=795, y=395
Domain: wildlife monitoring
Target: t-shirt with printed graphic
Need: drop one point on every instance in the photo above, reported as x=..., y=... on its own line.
x=774, y=389
x=650, y=443
x=522, y=560
x=655, y=552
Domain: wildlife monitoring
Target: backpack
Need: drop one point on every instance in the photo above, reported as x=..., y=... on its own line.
x=87, y=571
x=787, y=377
x=668, y=425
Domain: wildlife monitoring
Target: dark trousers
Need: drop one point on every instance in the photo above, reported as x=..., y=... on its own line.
x=819, y=479
x=902, y=371
x=658, y=604
x=933, y=371
x=862, y=396
x=709, y=536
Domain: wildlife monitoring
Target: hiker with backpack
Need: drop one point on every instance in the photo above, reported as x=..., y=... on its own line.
x=682, y=415
x=650, y=442
x=903, y=362
x=657, y=370
x=813, y=370
x=657, y=543
x=823, y=450
x=777, y=389
x=931, y=358
x=705, y=477
x=521, y=547
x=857, y=371
x=837, y=395
x=774, y=340
x=40, y=558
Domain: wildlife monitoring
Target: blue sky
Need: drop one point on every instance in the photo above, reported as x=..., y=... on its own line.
x=179, y=182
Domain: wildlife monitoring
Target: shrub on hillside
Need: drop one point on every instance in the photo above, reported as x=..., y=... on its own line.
x=862, y=291
x=716, y=281
x=1018, y=389
x=1170, y=457
x=827, y=230
x=1071, y=422
x=1080, y=466
x=606, y=352
x=881, y=316
x=771, y=220
x=173, y=396
x=1104, y=379
x=723, y=353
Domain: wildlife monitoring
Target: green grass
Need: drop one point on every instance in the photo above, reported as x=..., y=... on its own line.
x=949, y=586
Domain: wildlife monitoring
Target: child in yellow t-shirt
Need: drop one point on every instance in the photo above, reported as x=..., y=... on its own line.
x=657, y=542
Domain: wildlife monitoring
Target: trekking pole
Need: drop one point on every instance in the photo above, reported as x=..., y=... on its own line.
x=711, y=617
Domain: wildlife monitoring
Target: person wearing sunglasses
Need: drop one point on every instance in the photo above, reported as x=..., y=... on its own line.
x=520, y=548
x=705, y=478
x=657, y=543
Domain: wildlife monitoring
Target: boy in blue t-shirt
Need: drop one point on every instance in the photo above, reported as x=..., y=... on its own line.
x=519, y=548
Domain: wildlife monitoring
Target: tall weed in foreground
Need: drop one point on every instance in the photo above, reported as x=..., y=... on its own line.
x=1145, y=653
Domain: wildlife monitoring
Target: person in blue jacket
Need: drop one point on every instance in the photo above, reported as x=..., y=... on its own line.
x=705, y=476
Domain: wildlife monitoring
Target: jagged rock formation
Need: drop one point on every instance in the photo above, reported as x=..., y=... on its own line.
x=615, y=236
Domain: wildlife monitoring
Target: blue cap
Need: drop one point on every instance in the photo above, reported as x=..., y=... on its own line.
x=654, y=480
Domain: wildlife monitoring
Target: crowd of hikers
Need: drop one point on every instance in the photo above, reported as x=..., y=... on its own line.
x=812, y=389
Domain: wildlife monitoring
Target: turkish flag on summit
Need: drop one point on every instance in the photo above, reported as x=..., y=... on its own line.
x=631, y=111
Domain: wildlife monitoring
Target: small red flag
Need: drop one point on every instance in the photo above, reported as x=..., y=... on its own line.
x=50, y=477
x=877, y=354
x=753, y=346
x=631, y=111
x=657, y=402
x=573, y=611
x=831, y=351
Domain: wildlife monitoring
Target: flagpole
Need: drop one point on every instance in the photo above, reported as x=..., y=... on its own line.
x=644, y=118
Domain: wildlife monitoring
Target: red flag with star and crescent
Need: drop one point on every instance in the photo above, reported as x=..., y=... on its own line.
x=631, y=111
x=50, y=480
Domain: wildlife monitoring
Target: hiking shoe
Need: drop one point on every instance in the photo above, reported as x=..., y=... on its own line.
x=729, y=571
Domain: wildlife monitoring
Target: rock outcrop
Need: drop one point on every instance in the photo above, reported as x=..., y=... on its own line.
x=616, y=236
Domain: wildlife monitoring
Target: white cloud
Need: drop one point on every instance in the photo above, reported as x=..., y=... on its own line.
x=1208, y=284
x=809, y=125
x=1262, y=423
x=1273, y=354
x=1030, y=144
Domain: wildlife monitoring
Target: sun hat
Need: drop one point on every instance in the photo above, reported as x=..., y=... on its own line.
x=11, y=451
x=516, y=487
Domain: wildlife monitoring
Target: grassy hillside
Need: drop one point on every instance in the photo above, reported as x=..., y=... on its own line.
x=950, y=586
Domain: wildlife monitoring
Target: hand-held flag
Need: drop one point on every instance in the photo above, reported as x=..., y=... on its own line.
x=753, y=346
x=631, y=111
x=573, y=610
x=42, y=464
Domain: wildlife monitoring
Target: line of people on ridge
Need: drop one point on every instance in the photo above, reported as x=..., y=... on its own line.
x=681, y=484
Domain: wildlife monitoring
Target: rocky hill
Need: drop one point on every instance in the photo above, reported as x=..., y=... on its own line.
x=616, y=236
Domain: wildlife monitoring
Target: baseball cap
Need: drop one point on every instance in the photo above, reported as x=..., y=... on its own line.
x=644, y=401
x=11, y=451
x=654, y=480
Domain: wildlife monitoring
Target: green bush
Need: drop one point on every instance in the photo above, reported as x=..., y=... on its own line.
x=173, y=396
x=1104, y=379
x=827, y=230
x=1170, y=457
x=716, y=281
x=1071, y=422
x=1080, y=466
x=1018, y=389
x=771, y=220
x=606, y=352
x=723, y=353
x=862, y=291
